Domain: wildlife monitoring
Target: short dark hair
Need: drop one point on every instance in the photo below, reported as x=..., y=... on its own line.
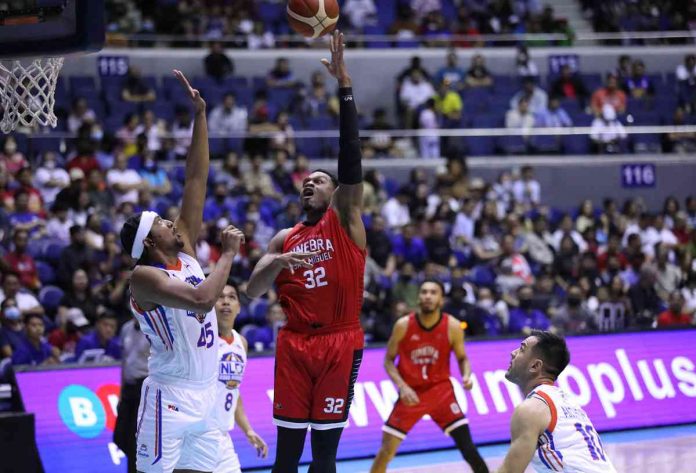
x=107, y=314
x=75, y=229
x=553, y=351
x=233, y=283
x=334, y=179
x=435, y=281
x=28, y=317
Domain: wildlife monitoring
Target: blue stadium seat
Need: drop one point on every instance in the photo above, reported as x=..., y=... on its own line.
x=546, y=144
x=235, y=82
x=47, y=274
x=259, y=308
x=50, y=297
x=512, y=144
x=386, y=13
x=480, y=145
x=646, y=143
x=281, y=97
x=576, y=144
x=81, y=82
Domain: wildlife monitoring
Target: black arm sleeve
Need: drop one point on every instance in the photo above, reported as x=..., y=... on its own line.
x=349, y=153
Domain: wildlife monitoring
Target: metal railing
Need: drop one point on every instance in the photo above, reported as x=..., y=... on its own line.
x=387, y=41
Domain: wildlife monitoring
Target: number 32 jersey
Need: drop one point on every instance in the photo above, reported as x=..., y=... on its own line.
x=327, y=297
x=570, y=443
x=232, y=358
x=183, y=344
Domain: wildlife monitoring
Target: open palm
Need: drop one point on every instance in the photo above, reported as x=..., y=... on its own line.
x=337, y=67
x=194, y=94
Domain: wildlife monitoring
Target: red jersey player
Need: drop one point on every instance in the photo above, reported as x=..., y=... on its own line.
x=423, y=341
x=318, y=268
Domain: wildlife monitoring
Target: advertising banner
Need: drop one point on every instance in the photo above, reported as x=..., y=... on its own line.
x=623, y=381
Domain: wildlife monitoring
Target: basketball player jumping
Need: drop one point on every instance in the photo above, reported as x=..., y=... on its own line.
x=174, y=304
x=423, y=342
x=549, y=428
x=318, y=268
x=232, y=356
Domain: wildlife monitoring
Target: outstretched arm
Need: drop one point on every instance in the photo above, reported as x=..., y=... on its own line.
x=348, y=198
x=197, y=164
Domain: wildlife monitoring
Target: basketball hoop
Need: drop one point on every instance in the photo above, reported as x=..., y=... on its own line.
x=27, y=92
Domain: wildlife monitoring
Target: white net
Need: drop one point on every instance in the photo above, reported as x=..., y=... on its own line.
x=27, y=92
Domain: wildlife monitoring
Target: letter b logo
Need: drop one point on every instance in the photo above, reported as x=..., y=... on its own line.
x=82, y=411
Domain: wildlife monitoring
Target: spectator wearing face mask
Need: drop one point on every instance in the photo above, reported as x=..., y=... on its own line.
x=33, y=349
x=50, y=179
x=574, y=316
x=497, y=310
x=524, y=318
x=11, y=327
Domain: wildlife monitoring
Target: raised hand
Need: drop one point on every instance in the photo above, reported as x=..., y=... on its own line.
x=194, y=94
x=337, y=67
x=231, y=239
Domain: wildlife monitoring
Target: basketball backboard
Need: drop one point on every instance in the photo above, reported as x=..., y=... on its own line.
x=50, y=27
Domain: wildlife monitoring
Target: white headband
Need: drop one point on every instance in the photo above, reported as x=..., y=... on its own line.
x=147, y=218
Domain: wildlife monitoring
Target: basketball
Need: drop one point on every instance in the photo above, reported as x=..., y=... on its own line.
x=313, y=18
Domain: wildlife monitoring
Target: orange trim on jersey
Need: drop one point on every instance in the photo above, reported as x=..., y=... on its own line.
x=229, y=340
x=552, y=408
x=174, y=267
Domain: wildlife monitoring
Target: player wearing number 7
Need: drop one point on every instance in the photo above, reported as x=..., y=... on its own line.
x=174, y=304
x=549, y=428
x=318, y=268
x=423, y=342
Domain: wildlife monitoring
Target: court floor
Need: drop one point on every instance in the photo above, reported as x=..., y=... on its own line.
x=668, y=449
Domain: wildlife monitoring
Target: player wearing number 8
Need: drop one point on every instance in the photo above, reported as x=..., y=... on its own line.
x=318, y=268
x=423, y=341
x=549, y=428
x=174, y=304
x=229, y=409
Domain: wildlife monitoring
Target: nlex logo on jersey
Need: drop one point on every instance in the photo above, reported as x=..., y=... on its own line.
x=231, y=370
x=85, y=412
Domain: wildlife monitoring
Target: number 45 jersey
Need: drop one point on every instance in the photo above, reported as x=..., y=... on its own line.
x=327, y=297
x=570, y=443
x=183, y=344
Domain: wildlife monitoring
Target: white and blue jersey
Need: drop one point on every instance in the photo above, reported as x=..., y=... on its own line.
x=183, y=348
x=176, y=426
x=232, y=358
x=570, y=443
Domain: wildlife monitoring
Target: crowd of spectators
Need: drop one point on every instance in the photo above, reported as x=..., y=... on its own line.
x=643, y=15
x=625, y=96
x=450, y=96
x=510, y=261
x=257, y=25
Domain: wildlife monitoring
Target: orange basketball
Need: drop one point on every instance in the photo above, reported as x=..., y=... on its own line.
x=313, y=18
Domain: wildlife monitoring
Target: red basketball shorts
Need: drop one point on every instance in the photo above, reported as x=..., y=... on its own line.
x=437, y=401
x=314, y=378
